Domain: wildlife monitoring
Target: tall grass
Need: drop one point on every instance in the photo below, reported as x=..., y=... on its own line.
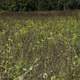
x=46, y=48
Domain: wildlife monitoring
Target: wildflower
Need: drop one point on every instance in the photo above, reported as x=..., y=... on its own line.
x=31, y=68
x=24, y=69
x=9, y=39
x=45, y=75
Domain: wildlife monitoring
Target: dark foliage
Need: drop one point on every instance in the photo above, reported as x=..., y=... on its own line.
x=38, y=5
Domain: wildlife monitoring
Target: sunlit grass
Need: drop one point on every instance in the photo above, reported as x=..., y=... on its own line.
x=40, y=48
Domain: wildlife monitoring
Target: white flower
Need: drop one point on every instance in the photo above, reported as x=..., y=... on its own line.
x=31, y=68
x=24, y=69
x=45, y=75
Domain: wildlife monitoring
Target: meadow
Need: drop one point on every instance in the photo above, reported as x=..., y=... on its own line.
x=39, y=47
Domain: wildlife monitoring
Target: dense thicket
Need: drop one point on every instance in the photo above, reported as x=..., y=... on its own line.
x=35, y=5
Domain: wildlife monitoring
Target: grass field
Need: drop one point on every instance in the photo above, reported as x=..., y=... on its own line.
x=39, y=47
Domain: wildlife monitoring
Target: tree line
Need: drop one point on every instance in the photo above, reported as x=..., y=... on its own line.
x=39, y=5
